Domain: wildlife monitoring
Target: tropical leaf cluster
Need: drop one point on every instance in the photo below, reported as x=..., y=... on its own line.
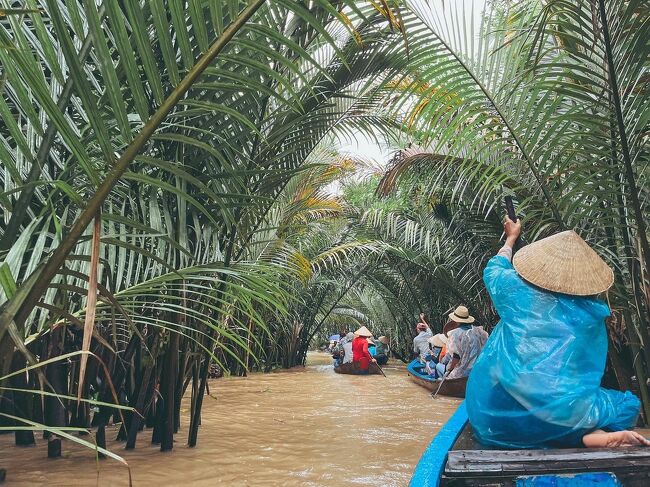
x=547, y=103
x=149, y=154
x=169, y=175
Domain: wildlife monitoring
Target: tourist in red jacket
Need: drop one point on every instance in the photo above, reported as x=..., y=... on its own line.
x=360, y=354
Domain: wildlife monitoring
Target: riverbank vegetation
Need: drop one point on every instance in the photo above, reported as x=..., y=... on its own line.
x=167, y=175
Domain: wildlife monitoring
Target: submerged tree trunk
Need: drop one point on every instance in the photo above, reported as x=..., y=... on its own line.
x=168, y=392
x=146, y=390
x=22, y=401
x=105, y=412
x=57, y=375
x=195, y=419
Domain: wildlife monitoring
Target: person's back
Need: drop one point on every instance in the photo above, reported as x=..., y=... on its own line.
x=360, y=354
x=537, y=381
x=466, y=342
x=421, y=341
x=347, y=348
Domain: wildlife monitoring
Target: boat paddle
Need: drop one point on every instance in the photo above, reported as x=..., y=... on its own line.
x=444, y=378
x=380, y=369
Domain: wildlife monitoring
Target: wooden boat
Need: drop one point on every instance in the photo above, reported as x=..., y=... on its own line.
x=450, y=387
x=350, y=368
x=455, y=458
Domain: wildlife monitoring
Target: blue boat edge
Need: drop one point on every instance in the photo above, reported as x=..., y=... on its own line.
x=411, y=368
x=432, y=463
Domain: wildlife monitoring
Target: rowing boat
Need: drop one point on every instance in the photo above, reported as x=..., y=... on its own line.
x=450, y=387
x=455, y=458
x=350, y=368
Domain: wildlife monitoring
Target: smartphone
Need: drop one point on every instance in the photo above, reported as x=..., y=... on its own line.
x=510, y=208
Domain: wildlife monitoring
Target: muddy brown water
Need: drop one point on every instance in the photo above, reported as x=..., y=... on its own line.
x=306, y=427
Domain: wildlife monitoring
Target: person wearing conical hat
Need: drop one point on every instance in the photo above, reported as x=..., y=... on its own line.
x=382, y=350
x=360, y=355
x=465, y=341
x=537, y=382
x=436, y=354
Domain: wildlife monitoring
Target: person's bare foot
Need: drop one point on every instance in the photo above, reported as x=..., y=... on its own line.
x=616, y=439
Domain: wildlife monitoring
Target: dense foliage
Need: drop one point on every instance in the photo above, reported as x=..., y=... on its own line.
x=167, y=173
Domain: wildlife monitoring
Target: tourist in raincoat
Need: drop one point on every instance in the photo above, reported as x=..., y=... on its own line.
x=347, y=347
x=465, y=341
x=437, y=351
x=421, y=341
x=537, y=381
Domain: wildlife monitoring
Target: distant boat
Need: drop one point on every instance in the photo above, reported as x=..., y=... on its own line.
x=455, y=458
x=450, y=387
x=350, y=368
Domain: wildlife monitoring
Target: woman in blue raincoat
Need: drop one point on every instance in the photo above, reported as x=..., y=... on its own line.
x=537, y=381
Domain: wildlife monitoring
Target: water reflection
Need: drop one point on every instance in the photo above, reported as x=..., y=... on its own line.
x=307, y=427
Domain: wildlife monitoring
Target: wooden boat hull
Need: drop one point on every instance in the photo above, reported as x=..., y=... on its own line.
x=450, y=387
x=351, y=369
x=454, y=458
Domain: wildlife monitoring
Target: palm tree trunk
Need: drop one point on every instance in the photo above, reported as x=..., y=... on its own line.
x=145, y=392
x=57, y=375
x=21, y=401
x=628, y=172
x=168, y=391
x=118, y=378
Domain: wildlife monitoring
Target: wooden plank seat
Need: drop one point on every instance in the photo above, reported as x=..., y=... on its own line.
x=630, y=465
x=521, y=462
x=455, y=458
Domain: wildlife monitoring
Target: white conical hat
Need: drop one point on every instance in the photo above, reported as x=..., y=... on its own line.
x=363, y=332
x=438, y=340
x=564, y=263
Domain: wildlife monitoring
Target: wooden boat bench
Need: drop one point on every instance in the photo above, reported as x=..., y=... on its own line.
x=455, y=458
x=630, y=466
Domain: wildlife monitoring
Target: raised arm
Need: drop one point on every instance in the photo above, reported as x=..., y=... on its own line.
x=512, y=231
x=422, y=320
x=499, y=276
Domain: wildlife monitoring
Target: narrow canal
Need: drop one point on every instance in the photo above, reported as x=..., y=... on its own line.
x=305, y=427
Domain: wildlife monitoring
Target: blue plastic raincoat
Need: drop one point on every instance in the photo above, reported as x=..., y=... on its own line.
x=537, y=381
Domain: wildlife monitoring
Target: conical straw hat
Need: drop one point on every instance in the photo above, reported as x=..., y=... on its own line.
x=438, y=340
x=564, y=263
x=363, y=332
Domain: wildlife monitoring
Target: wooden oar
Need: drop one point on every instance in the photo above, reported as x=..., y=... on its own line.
x=444, y=378
x=380, y=369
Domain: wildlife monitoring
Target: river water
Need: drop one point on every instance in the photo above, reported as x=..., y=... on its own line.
x=305, y=427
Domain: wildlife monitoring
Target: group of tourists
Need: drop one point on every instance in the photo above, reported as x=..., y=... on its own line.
x=359, y=348
x=452, y=353
x=536, y=381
